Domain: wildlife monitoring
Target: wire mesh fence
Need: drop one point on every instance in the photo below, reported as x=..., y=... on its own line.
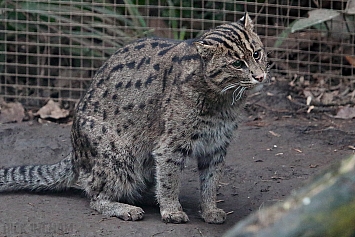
x=52, y=48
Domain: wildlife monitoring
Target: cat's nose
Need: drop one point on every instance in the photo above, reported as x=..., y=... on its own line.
x=259, y=77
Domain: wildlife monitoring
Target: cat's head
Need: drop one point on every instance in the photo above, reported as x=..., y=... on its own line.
x=234, y=58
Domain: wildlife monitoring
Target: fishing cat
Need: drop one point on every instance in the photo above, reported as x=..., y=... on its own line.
x=152, y=105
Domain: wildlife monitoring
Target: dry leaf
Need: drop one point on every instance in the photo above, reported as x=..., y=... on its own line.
x=52, y=110
x=310, y=108
x=11, y=112
x=298, y=150
x=351, y=60
x=346, y=112
x=274, y=134
x=327, y=98
x=350, y=7
x=309, y=95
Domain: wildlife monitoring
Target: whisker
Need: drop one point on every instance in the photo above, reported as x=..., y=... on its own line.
x=238, y=96
x=229, y=87
x=233, y=96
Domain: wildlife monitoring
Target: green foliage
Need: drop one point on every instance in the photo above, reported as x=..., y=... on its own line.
x=173, y=13
x=316, y=17
x=28, y=16
x=321, y=19
x=85, y=26
x=176, y=11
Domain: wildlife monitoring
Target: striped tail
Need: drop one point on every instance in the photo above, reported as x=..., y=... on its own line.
x=38, y=177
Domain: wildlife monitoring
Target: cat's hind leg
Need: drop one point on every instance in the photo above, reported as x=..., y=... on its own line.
x=113, y=176
x=121, y=210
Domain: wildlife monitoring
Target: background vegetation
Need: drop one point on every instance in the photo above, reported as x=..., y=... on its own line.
x=51, y=49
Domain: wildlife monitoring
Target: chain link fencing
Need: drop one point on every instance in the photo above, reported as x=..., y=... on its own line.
x=51, y=49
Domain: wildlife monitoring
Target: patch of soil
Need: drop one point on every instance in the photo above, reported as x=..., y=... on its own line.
x=278, y=147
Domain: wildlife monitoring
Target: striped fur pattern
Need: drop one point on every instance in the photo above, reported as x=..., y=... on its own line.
x=151, y=106
x=58, y=176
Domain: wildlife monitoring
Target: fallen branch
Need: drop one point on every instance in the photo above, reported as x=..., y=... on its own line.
x=325, y=207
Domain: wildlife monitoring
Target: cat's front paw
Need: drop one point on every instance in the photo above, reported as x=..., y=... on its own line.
x=133, y=214
x=214, y=216
x=175, y=217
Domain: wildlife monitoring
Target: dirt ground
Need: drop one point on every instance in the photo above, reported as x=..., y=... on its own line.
x=278, y=147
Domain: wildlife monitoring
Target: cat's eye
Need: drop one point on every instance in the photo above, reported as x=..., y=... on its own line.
x=238, y=64
x=257, y=55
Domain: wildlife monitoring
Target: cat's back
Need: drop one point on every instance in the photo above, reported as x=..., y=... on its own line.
x=138, y=81
x=144, y=63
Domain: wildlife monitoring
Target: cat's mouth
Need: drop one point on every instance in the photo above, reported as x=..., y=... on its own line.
x=241, y=87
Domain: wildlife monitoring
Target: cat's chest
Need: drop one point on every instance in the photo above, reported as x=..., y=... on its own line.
x=213, y=138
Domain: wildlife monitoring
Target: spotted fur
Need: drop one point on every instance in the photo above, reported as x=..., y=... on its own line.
x=151, y=106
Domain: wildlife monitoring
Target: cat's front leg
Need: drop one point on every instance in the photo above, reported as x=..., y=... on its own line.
x=169, y=166
x=211, y=169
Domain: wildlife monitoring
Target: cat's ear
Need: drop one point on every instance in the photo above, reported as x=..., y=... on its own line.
x=204, y=49
x=247, y=22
